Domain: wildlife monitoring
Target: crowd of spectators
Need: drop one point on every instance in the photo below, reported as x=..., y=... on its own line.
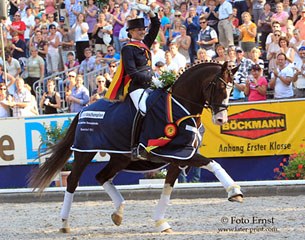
x=266, y=39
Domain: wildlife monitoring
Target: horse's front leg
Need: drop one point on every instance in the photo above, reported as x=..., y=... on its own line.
x=233, y=189
x=81, y=160
x=160, y=222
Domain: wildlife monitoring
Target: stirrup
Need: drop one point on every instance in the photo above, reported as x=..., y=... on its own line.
x=136, y=154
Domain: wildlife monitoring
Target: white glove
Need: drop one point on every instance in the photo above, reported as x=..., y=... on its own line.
x=157, y=82
x=141, y=7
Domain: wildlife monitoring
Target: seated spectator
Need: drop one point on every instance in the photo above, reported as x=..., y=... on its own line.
x=33, y=108
x=299, y=78
x=177, y=57
x=183, y=43
x=256, y=84
x=157, y=54
x=220, y=56
x=19, y=47
x=231, y=64
x=67, y=44
x=255, y=57
x=87, y=65
x=231, y=53
x=22, y=100
x=100, y=91
x=281, y=78
x=50, y=100
x=296, y=44
x=79, y=96
x=111, y=54
x=273, y=50
x=11, y=80
x=275, y=27
x=112, y=68
x=289, y=52
x=4, y=102
x=169, y=64
x=202, y=56
x=71, y=62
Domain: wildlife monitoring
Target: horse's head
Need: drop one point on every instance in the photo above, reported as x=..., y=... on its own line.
x=221, y=89
x=206, y=85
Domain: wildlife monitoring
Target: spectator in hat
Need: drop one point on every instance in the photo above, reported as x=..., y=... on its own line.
x=241, y=75
x=256, y=84
x=159, y=68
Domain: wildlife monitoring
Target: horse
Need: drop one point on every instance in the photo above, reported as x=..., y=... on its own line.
x=202, y=85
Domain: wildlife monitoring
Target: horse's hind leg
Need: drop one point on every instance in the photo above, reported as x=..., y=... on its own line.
x=160, y=222
x=116, y=164
x=81, y=160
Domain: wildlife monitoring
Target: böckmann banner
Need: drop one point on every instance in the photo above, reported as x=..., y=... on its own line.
x=256, y=129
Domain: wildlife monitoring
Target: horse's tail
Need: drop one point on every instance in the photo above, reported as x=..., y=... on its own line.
x=60, y=153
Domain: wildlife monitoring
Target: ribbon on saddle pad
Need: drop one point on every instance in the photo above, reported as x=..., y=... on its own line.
x=118, y=88
x=170, y=129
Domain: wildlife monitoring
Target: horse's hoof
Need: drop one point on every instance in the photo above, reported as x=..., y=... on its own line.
x=169, y=230
x=65, y=230
x=116, y=219
x=234, y=194
x=237, y=198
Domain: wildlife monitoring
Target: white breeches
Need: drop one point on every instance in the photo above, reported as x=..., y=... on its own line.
x=139, y=97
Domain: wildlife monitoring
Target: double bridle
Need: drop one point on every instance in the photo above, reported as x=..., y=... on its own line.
x=209, y=103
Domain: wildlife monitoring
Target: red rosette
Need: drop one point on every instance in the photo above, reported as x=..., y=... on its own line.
x=171, y=130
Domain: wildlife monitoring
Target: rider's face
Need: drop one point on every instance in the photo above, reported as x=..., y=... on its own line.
x=138, y=33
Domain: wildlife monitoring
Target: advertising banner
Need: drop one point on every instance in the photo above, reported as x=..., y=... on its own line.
x=258, y=129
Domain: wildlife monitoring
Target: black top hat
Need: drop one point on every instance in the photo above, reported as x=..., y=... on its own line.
x=135, y=23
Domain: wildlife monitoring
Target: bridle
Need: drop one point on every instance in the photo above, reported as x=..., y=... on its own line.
x=210, y=104
x=212, y=87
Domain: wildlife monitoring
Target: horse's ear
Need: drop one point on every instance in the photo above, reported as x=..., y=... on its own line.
x=224, y=66
x=234, y=70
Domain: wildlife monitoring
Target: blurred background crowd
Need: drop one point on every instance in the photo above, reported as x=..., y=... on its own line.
x=61, y=55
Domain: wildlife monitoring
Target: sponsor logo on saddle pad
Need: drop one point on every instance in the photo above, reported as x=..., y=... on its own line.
x=92, y=114
x=254, y=124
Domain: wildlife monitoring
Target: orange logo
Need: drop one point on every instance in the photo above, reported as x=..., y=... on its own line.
x=254, y=124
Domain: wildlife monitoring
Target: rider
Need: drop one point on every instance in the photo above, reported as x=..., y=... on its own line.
x=136, y=62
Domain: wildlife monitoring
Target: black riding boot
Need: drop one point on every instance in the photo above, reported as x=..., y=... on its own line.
x=135, y=136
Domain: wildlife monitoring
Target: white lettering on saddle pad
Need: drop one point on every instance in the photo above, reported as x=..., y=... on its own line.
x=92, y=114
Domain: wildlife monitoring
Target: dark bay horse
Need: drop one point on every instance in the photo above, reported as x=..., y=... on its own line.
x=204, y=85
